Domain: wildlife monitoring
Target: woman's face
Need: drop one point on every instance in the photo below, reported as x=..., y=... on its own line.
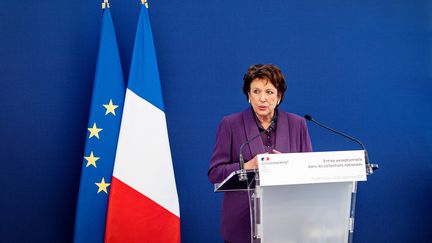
x=264, y=98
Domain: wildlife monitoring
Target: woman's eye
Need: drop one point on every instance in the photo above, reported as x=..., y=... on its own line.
x=270, y=92
x=256, y=91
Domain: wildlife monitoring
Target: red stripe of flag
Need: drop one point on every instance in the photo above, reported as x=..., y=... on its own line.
x=134, y=217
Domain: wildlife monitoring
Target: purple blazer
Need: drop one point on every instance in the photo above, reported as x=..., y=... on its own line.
x=291, y=136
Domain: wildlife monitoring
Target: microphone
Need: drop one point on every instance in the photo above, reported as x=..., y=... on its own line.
x=370, y=168
x=243, y=174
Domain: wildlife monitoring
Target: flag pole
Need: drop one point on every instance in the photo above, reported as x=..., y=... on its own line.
x=105, y=4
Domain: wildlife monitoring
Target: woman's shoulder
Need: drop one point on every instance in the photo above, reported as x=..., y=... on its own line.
x=291, y=117
x=235, y=117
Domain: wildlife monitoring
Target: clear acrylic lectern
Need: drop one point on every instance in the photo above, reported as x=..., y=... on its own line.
x=297, y=213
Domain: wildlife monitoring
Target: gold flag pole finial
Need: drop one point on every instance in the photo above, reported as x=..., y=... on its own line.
x=105, y=4
x=145, y=3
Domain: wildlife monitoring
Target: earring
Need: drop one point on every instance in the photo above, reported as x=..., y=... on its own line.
x=249, y=100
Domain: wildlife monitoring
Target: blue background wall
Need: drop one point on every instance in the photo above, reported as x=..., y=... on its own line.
x=363, y=67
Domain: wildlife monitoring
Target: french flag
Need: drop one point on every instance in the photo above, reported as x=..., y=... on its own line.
x=143, y=203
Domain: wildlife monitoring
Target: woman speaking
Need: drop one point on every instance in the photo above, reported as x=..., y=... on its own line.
x=281, y=132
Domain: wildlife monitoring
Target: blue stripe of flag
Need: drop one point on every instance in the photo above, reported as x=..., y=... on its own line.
x=144, y=74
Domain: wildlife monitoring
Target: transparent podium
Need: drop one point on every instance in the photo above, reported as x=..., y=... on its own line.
x=301, y=197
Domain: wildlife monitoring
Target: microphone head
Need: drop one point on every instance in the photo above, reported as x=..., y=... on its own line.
x=308, y=117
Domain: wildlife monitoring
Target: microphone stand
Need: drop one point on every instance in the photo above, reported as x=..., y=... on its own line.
x=243, y=173
x=370, y=168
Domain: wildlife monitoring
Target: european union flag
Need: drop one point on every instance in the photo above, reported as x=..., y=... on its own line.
x=102, y=136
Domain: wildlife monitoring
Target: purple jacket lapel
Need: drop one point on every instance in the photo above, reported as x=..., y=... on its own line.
x=256, y=146
x=282, y=133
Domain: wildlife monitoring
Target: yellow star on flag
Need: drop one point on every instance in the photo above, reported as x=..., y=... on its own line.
x=94, y=131
x=110, y=108
x=103, y=186
x=91, y=160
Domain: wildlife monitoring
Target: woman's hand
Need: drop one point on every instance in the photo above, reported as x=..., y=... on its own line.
x=252, y=164
x=276, y=152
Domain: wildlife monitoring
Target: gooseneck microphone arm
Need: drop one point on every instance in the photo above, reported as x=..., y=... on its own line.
x=370, y=168
x=243, y=174
x=309, y=118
